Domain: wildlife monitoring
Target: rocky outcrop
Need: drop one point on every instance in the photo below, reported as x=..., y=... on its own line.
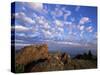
x=32, y=53
x=36, y=58
x=65, y=58
x=51, y=64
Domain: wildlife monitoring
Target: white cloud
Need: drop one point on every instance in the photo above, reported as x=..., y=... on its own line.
x=21, y=44
x=84, y=20
x=67, y=23
x=19, y=15
x=72, y=33
x=20, y=34
x=33, y=35
x=28, y=20
x=81, y=27
x=45, y=9
x=36, y=6
x=24, y=18
x=57, y=13
x=53, y=30
x=34, y=15
x=67, y=13
x=89, y=29
x=61, y=29
x=47, y=34
x=69, y=43
x=58, y=23
x=46, y=26
x=20, y=28
x=40, y=21
x=75, y=33
x=81, y=34
x=70, y=27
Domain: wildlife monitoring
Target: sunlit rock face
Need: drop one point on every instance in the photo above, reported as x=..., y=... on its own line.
x=32, y=53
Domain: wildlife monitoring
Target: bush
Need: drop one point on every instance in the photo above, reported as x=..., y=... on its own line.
x=19, y=68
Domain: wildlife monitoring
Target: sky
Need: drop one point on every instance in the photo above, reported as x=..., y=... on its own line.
x=60, y=26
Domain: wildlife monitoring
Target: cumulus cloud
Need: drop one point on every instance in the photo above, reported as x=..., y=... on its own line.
x=67, y=23
x=61, y=29
x=58, y=23
x=42, y=24
x=29, y=20
x=19, y=14
x=36, y=6
x=89, y=29
x=84, y=20
x=81, y=27
x=24, y=18
x=81, y=34
x=47, y=34
x=46, y=26
x=20, y=28
x=69, y=26
x=73, y=34
x=56, y=13
x=40, y=21
x=67, y=13
x=20, y=34
x=34, y=15
x=45, y=10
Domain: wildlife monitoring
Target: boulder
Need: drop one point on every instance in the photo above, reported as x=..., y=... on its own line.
x=51, y=64
x=32, y=53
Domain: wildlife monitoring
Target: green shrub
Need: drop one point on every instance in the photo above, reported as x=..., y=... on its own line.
x=19, y=68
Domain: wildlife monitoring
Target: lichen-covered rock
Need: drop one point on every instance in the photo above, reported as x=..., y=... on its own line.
x=32, y=53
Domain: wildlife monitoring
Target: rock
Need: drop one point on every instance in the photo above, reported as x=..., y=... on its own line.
x=52, y=65
x=65, y=58
x=32, y=53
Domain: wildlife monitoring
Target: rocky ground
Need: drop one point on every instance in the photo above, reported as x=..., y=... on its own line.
x=36, y=58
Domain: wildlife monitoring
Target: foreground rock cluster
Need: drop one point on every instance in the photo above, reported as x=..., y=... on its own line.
x=32, y=53
x=36, y=58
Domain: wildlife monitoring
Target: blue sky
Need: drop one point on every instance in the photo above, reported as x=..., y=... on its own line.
x=66, y=25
